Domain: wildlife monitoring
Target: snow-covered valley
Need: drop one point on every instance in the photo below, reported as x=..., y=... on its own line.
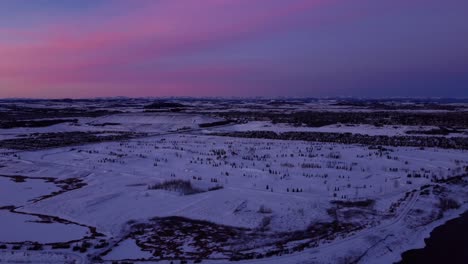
x=171, y=188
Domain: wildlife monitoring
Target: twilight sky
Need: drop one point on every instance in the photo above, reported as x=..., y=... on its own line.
x=374, y=48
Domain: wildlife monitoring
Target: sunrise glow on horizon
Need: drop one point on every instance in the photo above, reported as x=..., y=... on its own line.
x=92, y=48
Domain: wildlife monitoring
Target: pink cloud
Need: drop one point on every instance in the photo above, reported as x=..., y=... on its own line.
x=153, y=31
x=112, y=46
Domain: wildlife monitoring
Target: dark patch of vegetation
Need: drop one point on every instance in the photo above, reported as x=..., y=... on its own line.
x=61, y=139
x=215, y=188
x=264, y=210
x=284, y=103
x=446, y=204
x=348, y=138
x=106, y=124
x=184, y=187
x=85, y=245
x=167, y=239
x=102, y=244
x=377, y=118
x=460, y=179
x=16, y=113
x=18, y=178
x=16, y=247
x=362, y=203
x=35, y=246
x=217, y=123
x=180, y=186
x=61, y=246
x=164, y=105
x=436, y=131
x=382, y=105
x=34, y=123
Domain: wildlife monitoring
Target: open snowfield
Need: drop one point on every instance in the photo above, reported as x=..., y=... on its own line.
x=255, y=178
x=179, y=192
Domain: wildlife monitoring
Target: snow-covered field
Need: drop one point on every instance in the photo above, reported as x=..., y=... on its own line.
x=257, y=200
x=253, y=173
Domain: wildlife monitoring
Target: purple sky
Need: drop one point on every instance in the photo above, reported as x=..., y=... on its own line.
x=373, y=48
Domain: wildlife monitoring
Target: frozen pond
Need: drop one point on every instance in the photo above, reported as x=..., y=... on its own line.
x=20, y=228
x=19, y=193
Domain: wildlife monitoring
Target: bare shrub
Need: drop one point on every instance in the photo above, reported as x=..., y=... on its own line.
x=361, y=203
x=264, y=224
x=217, y=187
x=264, y=210
x=181, y=186
x=446, y=204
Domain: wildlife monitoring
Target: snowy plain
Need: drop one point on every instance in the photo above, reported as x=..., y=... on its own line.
x=271, y=190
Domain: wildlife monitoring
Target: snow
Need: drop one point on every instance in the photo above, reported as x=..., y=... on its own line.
x=118, y=191
x=127, y=249
x=39, y=257
x=14, y=193
x=19, y=228
x=254, y=174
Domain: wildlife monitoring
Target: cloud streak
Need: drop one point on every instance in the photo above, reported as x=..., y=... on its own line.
x=191, y=47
